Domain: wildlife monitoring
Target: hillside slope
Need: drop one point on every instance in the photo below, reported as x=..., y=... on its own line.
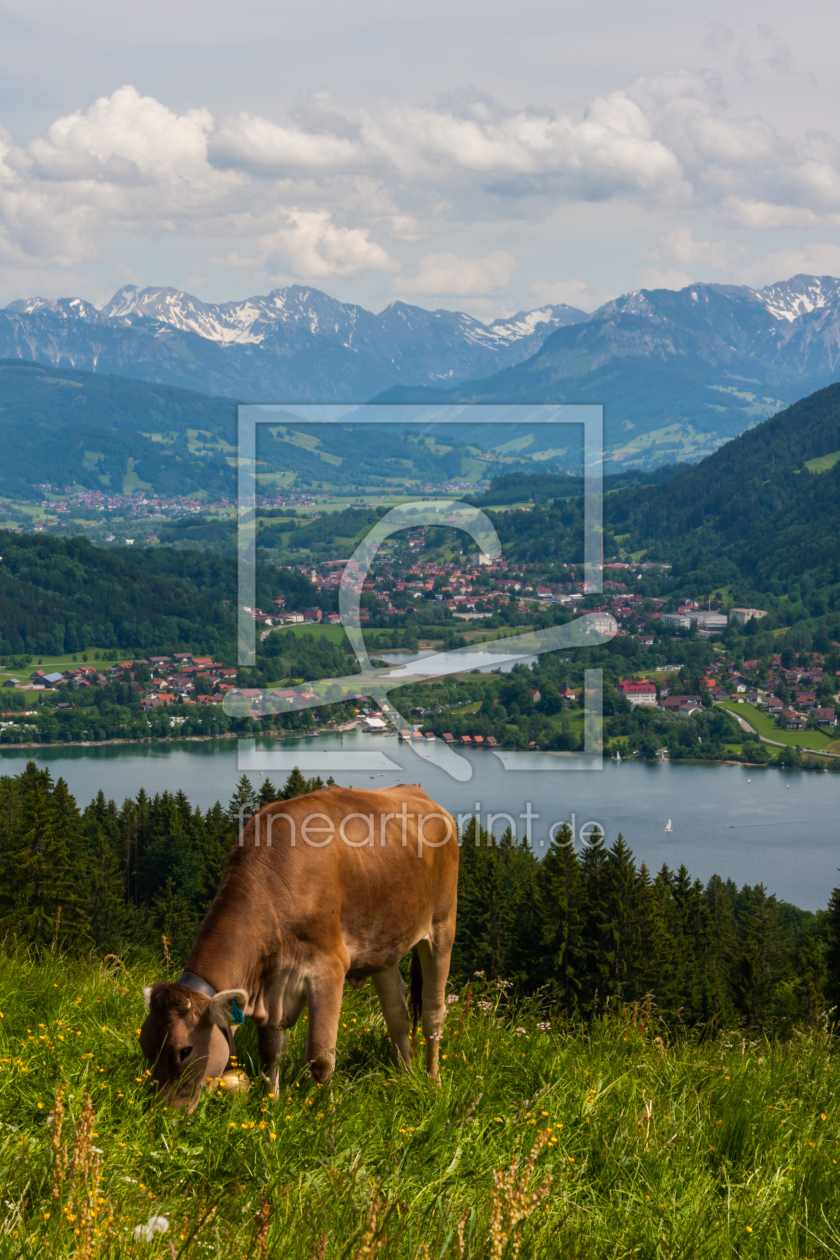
x=63, y=595
x=755, y=500
x=62, y=426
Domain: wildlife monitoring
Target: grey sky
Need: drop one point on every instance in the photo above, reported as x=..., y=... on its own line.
x=477, y=155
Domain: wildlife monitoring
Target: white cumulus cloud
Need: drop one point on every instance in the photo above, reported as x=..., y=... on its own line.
x=312, y=246
x=344, y=188
x=452, y=276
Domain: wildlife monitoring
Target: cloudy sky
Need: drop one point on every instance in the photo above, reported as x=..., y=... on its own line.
x=476, y=154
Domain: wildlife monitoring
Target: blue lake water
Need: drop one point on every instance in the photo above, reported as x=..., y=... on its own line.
x=753, y=825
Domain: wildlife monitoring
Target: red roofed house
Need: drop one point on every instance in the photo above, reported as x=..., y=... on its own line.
x=638, y=693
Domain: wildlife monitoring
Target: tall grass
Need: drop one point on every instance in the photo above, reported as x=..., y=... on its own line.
x=609, y=1141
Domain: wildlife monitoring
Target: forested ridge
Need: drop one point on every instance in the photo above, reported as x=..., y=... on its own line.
x=582, y=928
x=64, y=595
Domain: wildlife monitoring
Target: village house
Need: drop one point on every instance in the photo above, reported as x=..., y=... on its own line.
x=638, y=693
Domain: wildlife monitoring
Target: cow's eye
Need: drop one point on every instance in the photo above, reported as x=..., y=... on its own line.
x=185, y=1053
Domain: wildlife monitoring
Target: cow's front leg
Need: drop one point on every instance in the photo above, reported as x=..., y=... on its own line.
x=326, y=989
x=271, y=1043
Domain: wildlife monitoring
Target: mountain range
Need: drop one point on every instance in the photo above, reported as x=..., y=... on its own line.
x=679, y=372
x=294, y=345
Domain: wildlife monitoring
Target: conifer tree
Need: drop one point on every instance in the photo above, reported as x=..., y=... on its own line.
x=295, y=785
x=811, y=979
x=621, y=942
x=267, y=794
x=174, y=918
x=831, y=932
x=486, y=909
x=40, y=890
x=108, y=912
x=243, y=802
x=760, y=959
x=593, y=865
x=217, y=839
x=559, y=892
x=171, y=855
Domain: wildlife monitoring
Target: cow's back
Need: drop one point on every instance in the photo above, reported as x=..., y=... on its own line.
x=360, y=872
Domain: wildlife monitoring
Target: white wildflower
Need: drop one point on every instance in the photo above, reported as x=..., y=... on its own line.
x=154, y=1225
x=453, y=997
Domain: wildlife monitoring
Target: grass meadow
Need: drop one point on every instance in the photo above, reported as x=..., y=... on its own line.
x=763, y=724
x=613, y=1140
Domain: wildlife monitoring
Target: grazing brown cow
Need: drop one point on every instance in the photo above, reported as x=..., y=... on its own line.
x=336, y=885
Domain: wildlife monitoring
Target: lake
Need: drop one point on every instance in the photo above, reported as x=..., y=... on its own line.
x=753, y=825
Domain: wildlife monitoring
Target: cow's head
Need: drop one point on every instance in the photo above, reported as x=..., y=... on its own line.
x=185, y=1038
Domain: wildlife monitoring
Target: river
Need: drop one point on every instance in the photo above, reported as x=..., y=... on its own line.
x=751, y=825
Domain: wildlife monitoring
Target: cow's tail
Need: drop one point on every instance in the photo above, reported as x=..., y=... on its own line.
x=415, y=992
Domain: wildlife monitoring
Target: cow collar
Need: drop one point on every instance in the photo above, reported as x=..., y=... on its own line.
x=191, y=981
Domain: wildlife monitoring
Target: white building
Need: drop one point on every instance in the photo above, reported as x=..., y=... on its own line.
x=709, y=620
x=743, y=615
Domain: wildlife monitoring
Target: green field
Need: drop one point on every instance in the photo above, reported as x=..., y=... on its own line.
x=54, y=664
x=823, y=463
x=314, y=630
x=384, y=638
x=608, y=1141
x=816, y=741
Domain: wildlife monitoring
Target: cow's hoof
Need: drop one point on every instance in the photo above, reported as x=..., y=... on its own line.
x=322, y=1068
x=271, y=1085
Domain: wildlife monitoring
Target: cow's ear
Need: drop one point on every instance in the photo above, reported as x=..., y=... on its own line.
x=227, y=1009
x=147, y=997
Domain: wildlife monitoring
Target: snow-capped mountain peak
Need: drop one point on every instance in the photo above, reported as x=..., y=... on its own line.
x=297, y=343
x=798, y=296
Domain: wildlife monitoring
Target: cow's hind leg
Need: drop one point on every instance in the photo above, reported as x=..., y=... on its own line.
x=271, y=1043
x=434, y=961
x=326, y=989
x=390, y=988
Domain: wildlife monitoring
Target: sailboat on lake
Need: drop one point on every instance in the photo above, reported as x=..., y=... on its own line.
x=669, y=827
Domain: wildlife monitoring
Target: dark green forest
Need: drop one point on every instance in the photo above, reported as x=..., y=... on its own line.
x=64, y=595
x=585, y=928
x=752, y=517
